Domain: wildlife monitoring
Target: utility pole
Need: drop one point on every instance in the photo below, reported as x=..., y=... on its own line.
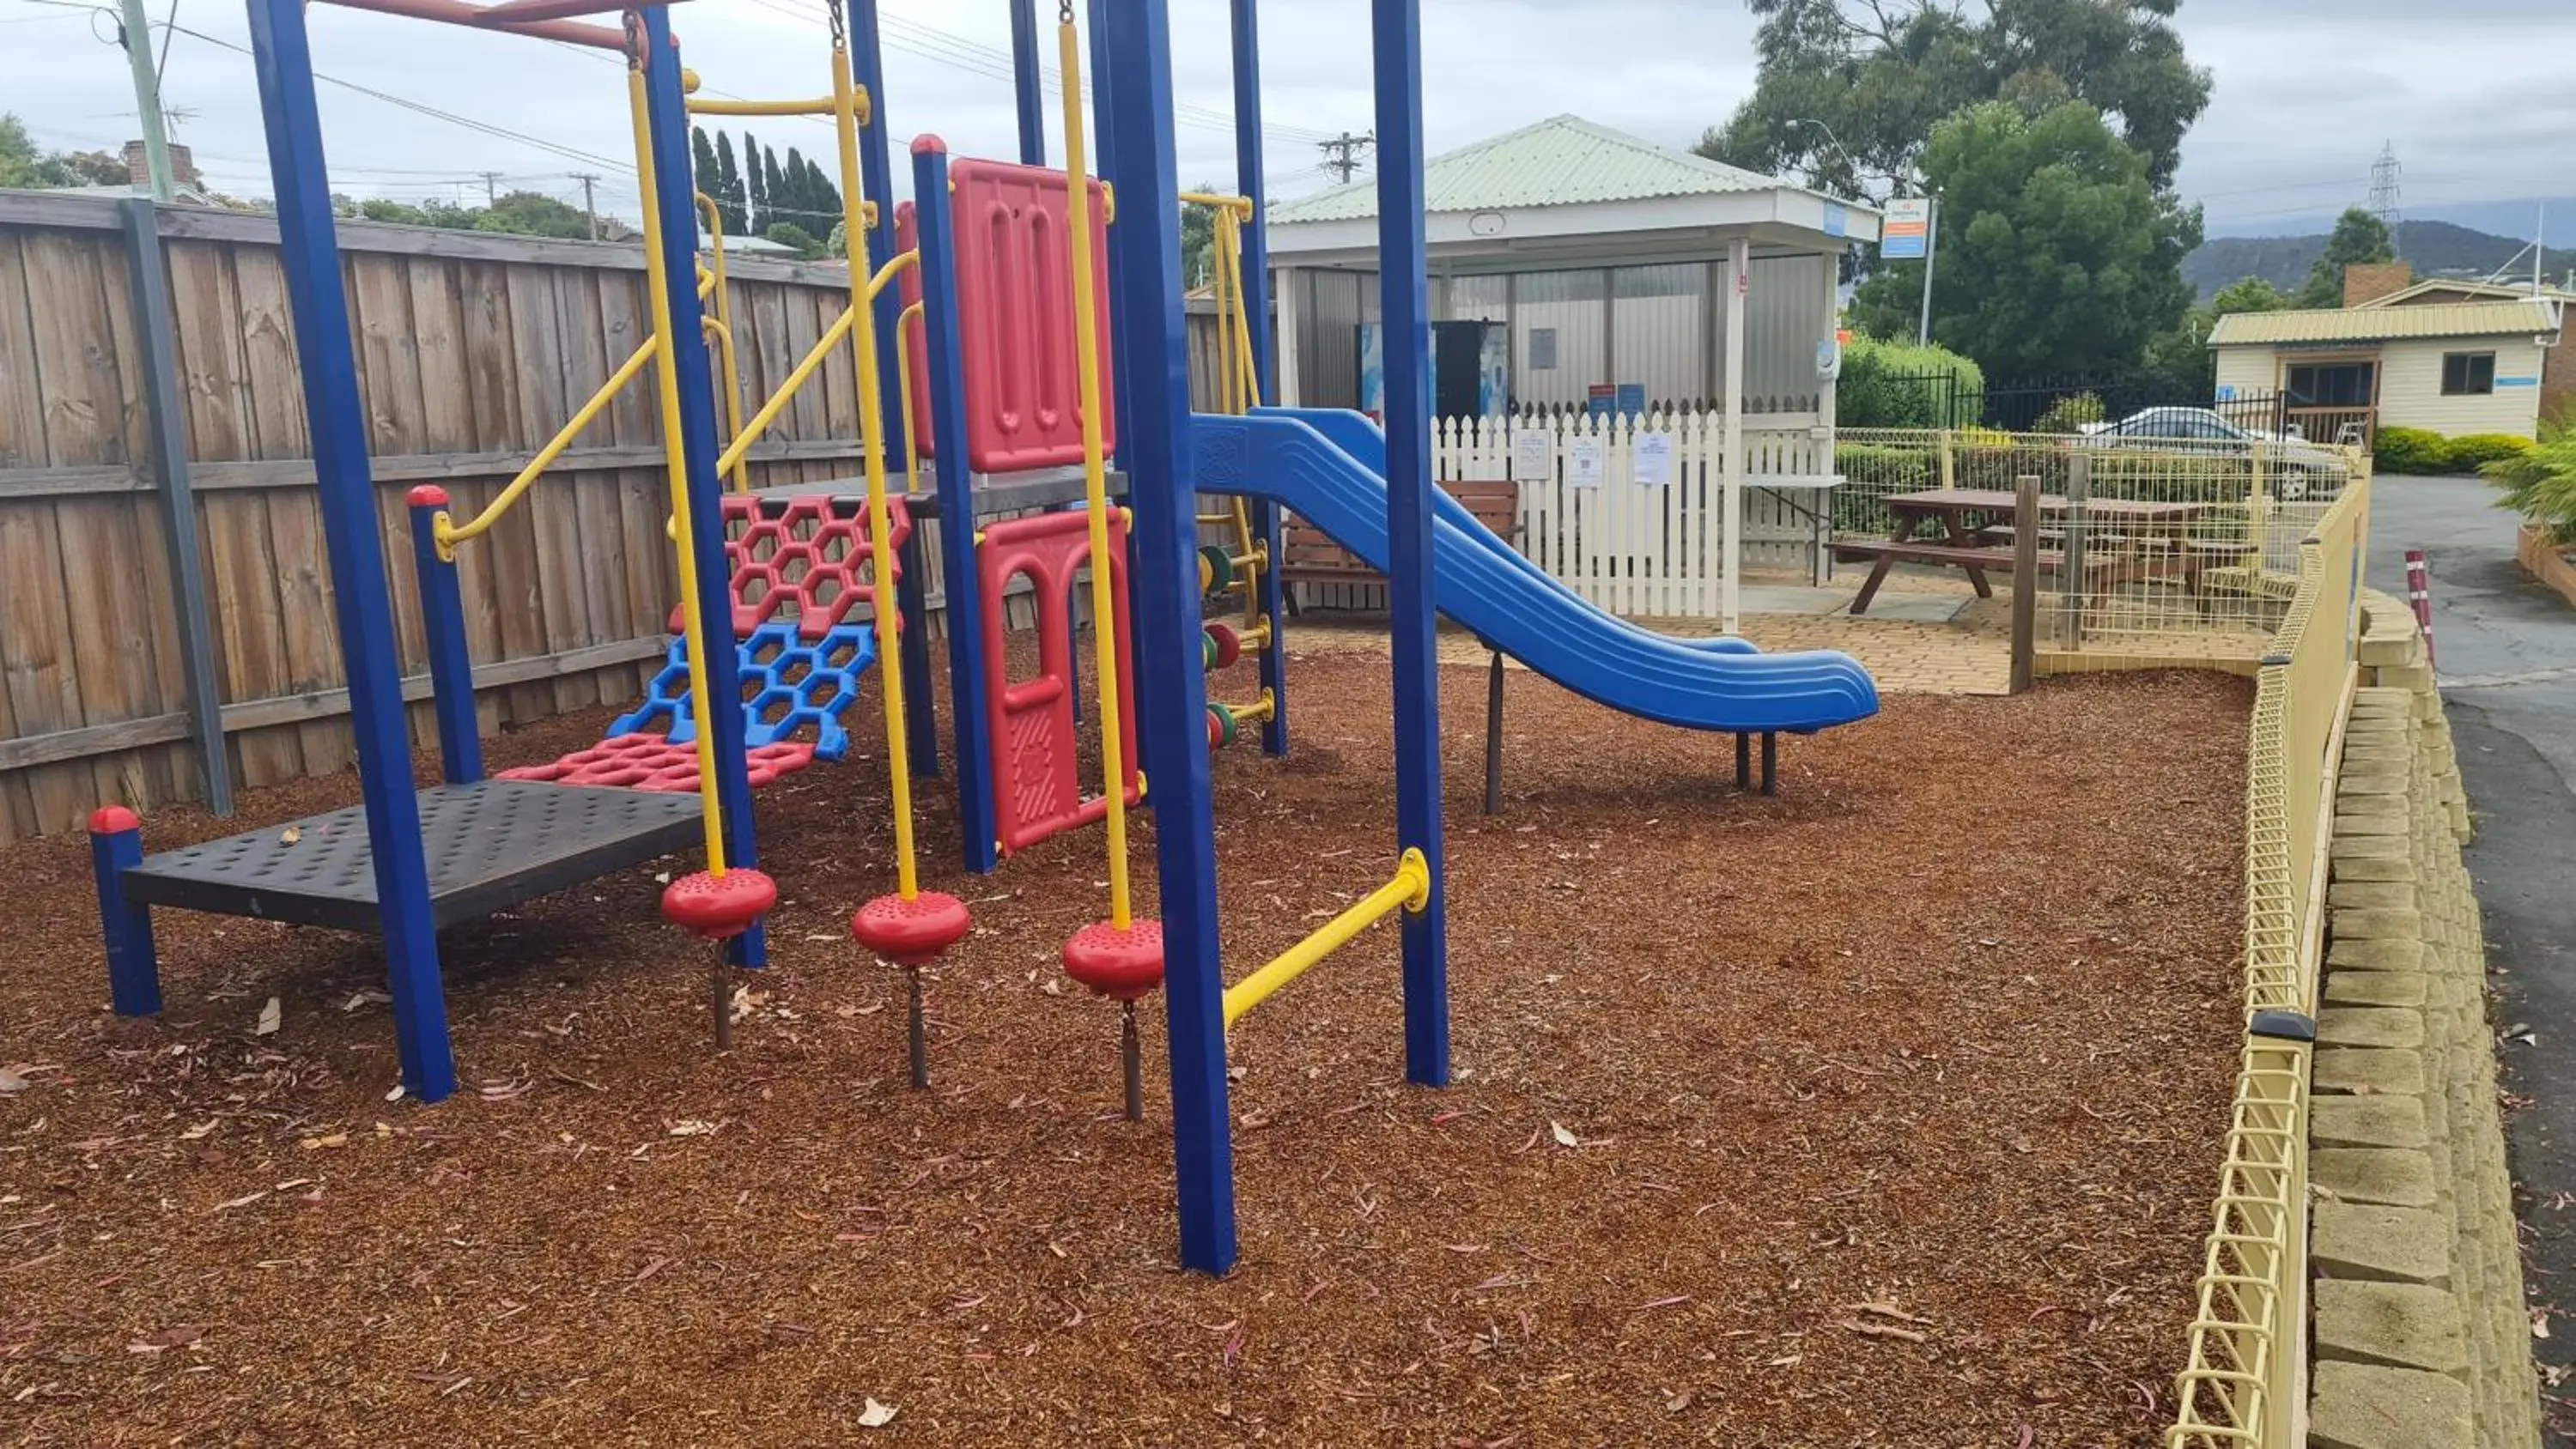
x=589, y=199
x=137, y=40
x=1342, y=153
x=491, y=183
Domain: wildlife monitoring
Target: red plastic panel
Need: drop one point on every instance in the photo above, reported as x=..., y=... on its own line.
x=1015, y=316
x=805, y=561
x=654, y=763
x=1037, y=779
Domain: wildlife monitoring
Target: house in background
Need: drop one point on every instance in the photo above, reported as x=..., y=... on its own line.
x=2451, y=357
x=1602, y=255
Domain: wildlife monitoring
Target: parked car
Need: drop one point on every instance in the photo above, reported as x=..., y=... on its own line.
x=2298, y=471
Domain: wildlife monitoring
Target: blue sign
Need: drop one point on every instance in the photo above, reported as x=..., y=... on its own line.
x=1837, y=218
x=2517, y=382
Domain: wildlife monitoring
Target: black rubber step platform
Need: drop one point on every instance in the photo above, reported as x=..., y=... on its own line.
x=490, y=845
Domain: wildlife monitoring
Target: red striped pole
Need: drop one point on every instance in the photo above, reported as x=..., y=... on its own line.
x=2419, y=596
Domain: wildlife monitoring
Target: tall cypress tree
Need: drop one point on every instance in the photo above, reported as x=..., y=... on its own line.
x=702, y=161
x=827, y=197
x=782, y=197
x=756, y=215
x=728, y=192
x=801, y=187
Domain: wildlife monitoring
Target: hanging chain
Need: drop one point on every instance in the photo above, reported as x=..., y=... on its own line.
x=840, y=26
x=1064, y=12
x=635, y=47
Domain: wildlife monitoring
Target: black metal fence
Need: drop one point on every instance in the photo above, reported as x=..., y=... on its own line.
x=2069, y=402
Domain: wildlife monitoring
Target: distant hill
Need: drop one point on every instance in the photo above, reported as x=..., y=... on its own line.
x=2437, y=248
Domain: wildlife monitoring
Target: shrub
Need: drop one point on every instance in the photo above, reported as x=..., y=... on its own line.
x=2071, y=414
x=2539, y=482
x=2473, y=451
x=2411, y=450
x=1900, y=385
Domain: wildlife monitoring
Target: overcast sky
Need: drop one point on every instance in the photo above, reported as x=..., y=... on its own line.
x=2472, y=92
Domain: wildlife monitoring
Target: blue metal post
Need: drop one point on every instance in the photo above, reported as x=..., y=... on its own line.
x=1171, y=688
x=133, y=966
x=1026, y=72
x=1404, y=292
x=946, y=388
x=451, y=665
x=336, y=414
x=667, y=113
x=1249, y=179
x=876, y=173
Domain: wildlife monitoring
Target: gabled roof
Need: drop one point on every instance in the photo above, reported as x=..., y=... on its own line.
x=1561, y=161
x=2386, y=324
x=2415, y=295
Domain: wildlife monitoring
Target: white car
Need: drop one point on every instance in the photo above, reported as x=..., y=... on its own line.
x=2302, y=471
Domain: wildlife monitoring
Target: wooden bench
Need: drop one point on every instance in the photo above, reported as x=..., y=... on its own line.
x=1311, y=556
x=1973, y=561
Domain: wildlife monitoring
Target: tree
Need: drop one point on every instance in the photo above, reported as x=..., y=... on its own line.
x=2057, y=251
x=728, y=193
x=2249, y=294
x=755, y=217
x=703, y=171
x=789, y=234
x=2358, y=237
x=533, y=213
x=1198, y=242
x=1882, y=73
x=782, y=196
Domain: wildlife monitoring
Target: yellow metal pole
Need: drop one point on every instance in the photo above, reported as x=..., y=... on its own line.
x=903, y=390
x=863, y=330
x=777, y=402
x=1095, y=486
x=723, y=329
x=1410, y=890
x=693, y=629
x=894, y=264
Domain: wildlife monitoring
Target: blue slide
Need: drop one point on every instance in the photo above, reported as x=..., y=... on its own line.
x=1305, y=461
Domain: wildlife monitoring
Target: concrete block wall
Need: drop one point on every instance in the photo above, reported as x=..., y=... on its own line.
x=2421, y=1336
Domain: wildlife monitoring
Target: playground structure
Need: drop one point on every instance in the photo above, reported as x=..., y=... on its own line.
x=1012, y=404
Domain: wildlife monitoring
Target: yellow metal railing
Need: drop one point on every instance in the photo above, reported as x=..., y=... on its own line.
x=1410, y=890
x=720, y=327
x=2245, y=1380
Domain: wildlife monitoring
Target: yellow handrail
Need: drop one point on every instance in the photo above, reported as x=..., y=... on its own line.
x=778, y=401
x=1409, y=890
x=903, y=394
x=1241, y=205
x=723, y=329
x=692, y=627
x=1095, y=487
x=823, y=106
x=886, y=273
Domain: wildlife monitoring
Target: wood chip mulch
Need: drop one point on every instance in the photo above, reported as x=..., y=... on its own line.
x=1884, y=1112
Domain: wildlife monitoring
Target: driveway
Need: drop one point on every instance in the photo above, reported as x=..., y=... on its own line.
x=2507, y=654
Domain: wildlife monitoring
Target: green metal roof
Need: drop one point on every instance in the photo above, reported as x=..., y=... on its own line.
x=2384, y=324
x=1561, y=161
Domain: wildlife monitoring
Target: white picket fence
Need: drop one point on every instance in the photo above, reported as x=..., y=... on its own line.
x=1646, y=540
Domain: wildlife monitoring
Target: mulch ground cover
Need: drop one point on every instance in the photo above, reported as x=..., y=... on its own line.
x=1883, y=1112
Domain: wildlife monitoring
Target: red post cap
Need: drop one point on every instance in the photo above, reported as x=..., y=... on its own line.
x=113, y=820
x=719, y=907
x=911, y=932
x=427, y=495
x=929, y=144
x=1122, y=965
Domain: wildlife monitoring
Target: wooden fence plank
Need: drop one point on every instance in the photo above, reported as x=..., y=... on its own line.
x=536, y=543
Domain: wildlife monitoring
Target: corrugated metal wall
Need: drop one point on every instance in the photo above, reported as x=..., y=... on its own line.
x=1661, y=326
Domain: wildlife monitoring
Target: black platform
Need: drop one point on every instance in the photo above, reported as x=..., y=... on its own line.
x=490, y=846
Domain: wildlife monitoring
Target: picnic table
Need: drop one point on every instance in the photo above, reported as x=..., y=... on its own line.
x=2118, y=538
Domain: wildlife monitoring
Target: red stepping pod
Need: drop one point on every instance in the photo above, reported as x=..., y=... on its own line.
x=911, y=932
x=1121, y=965
x=718, y=907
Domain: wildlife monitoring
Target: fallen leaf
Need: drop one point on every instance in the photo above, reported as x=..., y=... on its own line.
x=318, y=1144
x=10, y=1081
x=270, y=1016
x=291, y=834
x=1563, y=1137
x=1677, y=1403
x=243, y=1201
x=396, y=1094
x=692, y=1127
x=363, y=998
x=1868, y=1329
x=2540, y=1323
x=876, y=1415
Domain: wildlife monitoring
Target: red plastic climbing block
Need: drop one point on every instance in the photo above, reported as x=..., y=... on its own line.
x=911, y=932
x=1037, y=778
x=652, y=762
x=801, y=560
x=718, y=907
x=1015, y=316
x=1122, y=965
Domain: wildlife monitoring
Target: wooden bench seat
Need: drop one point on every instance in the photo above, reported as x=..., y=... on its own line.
x=1309, y=555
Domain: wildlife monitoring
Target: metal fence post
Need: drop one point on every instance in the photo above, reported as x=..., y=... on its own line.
x=2025, y=599
x=164, y=416
x=2071, y=578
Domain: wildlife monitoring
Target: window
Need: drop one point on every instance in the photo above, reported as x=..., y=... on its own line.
x=2468, y=374
x=2332, y=384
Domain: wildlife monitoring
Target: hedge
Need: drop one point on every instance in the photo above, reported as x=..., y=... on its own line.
x=2420, y=450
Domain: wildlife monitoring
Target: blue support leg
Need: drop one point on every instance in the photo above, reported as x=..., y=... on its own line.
x=876, y=173
x=667, y=113
x=336, y=413
x=451, y=664
x=946, y=387
x=1251, y=179
x=133, y=965
x=1404, y=301
x=1171, y=688
x=1029, y=100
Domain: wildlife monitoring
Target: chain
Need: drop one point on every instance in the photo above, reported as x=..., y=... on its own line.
x=1064, y=12
x=840, y=27
x=635, y=46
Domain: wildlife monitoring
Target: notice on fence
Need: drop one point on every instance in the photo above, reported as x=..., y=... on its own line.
x=1584, y=459
x=1533, y=456
x=1651, y=460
